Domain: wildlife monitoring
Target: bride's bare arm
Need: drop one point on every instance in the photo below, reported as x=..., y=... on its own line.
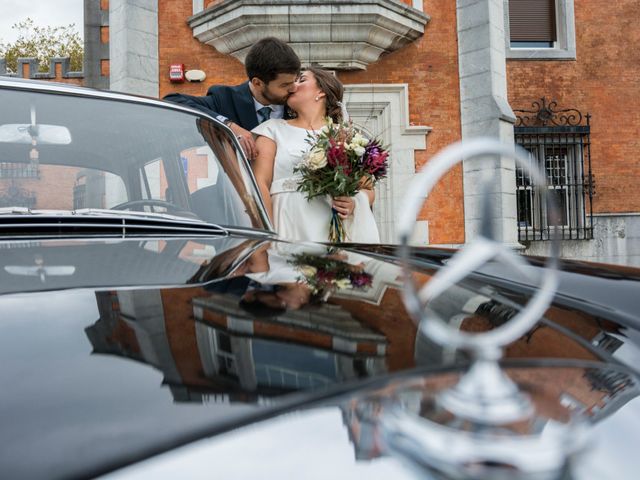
x=371, y=194
x=366, y=186
x=263, y=169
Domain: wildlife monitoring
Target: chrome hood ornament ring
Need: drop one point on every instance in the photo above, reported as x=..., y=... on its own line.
x=484, y=422
x=473, y=255
x=485, y=393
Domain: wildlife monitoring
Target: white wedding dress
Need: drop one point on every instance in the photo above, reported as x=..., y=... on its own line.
x=295, y=217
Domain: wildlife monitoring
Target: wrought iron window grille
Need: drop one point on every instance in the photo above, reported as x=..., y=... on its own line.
x=19, y=170
x=559, y=143
x=15, y=196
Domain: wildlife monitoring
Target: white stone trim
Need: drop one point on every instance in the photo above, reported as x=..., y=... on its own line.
x=383, y=111
x=616, y=239
x=565, y=48
x=198, y=6
x=143, y=312
x=622, y=214
x=337, y=34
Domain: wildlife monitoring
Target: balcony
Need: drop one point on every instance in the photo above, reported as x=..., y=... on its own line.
x=337, y=34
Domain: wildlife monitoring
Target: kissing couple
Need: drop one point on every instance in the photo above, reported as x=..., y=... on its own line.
x=273, y=114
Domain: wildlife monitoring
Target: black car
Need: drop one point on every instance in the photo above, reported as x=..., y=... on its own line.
x=153, y=325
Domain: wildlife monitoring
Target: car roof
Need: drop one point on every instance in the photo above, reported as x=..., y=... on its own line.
x=44, y=86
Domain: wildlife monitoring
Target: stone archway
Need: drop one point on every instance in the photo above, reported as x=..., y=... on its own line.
x=383, y=110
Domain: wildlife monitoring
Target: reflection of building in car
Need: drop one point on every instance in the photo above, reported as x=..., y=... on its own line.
x=225, y=349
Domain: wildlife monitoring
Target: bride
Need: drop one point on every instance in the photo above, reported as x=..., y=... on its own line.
x=282, y=145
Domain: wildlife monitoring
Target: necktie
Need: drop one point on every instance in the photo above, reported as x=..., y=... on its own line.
x=265, y=113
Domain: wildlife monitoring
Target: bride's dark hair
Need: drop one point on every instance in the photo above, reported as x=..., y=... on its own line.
x=333, y=90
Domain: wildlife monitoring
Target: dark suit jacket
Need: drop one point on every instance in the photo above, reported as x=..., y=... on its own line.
x=235, y=103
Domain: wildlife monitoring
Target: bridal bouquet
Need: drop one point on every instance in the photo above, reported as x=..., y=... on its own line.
x=328, y=274
x=340, y=162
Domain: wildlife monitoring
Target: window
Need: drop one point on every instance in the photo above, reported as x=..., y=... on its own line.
x=607, y=342
x=559, y=145
x=539, y=29
x=532, y=23
x=80, y=193
x=225, y=357
x=19, y=170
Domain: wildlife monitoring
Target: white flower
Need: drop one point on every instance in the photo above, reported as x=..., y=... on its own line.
x=360, y=140
x=343, y=283
x=359, y=151
x=316, y=159
x=308, y=271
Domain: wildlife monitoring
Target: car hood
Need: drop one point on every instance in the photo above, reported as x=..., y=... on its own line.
x=137, y=346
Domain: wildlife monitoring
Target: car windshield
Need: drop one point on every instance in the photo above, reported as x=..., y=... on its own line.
x=64, y=152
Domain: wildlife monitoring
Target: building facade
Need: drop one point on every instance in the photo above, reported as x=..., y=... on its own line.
x=558, y=77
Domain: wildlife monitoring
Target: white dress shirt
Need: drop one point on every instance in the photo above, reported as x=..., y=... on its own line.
x=277, y=111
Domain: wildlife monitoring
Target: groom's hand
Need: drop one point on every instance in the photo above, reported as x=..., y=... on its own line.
x=245, y=137
x=344, y=206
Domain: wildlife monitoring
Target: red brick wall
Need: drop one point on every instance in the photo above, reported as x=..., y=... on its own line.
x=177, y=45
x=181, y=334
x=429, y=66
x=390, y=318
x=604, y=81
x=25, y=72
x=104, y=34
x=52, y=188
x=105, y=65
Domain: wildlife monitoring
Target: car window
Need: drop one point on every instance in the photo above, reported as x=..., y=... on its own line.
x=58, y=187
x=62, y=152
x=153, y=180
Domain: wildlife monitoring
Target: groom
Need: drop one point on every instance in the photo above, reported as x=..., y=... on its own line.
x=272, y=68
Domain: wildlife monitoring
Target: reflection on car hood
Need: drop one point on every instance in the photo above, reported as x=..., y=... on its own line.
x=118, y=349
x=353, y=434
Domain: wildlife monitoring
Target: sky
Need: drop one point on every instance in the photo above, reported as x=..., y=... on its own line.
x=54, y=13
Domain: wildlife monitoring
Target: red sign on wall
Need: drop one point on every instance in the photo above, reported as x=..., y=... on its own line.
x=176, y=72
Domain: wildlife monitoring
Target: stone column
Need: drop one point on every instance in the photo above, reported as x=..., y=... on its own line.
x=133, y=46
x=198, y=6
x=485, y=112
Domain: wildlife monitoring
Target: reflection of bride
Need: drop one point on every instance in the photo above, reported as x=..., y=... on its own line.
x=281, y=146
x=277, y=284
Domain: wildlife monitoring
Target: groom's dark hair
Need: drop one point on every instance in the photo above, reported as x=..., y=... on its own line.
x=270, y=57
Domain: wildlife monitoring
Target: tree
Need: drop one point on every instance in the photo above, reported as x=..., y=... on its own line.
x=43, y=43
